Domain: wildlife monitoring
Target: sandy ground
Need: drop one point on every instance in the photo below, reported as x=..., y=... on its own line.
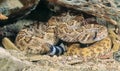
x=66, y=63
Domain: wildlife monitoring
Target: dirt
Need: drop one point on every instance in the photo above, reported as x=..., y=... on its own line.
x=65, y=63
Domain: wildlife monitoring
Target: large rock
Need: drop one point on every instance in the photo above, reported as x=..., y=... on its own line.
x=106, y=11
x=10, y=63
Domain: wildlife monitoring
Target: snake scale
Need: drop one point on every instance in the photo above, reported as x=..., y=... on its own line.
x=110, y=44
x=41, y=38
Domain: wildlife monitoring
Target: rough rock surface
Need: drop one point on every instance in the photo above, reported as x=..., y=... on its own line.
x=10, y=63
x=11, y=60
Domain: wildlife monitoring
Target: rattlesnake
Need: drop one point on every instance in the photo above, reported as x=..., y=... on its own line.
x=72, y=29
x=36, y=37
x=42, y=37
x=110, y=44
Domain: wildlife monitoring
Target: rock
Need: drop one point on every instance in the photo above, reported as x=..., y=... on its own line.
x=10, y=63
x=107, y=11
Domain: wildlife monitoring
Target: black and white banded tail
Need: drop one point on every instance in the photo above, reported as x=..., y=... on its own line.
x=57, y=50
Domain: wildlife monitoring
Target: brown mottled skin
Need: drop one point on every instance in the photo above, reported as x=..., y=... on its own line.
x=34, y=37
x=37, y=38
x=103, y=47
x=72, y=28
